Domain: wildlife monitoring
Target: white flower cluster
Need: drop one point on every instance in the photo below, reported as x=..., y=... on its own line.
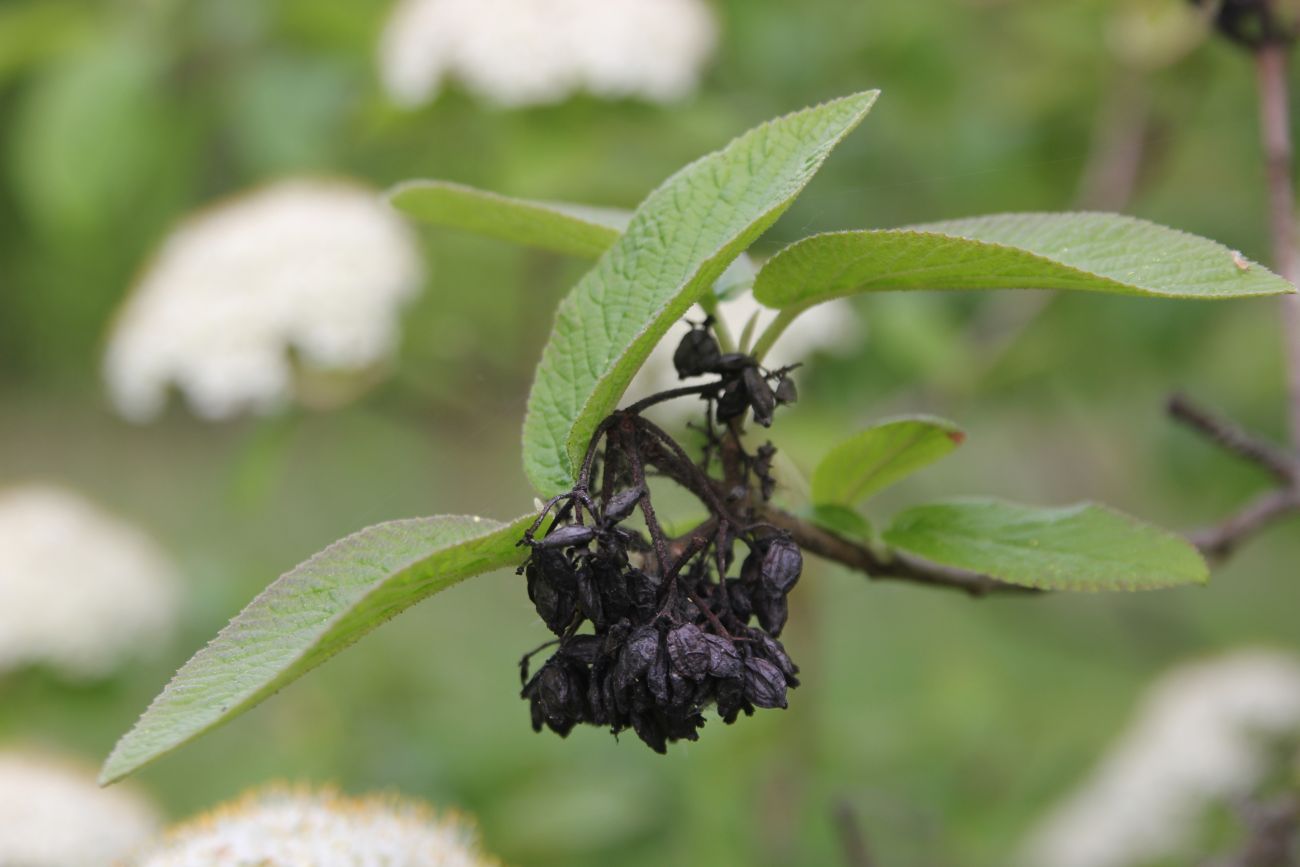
x=527, y=52
x=312, y=267
x=1198, y=738
x=52, y=814
x=299, y=828
x=79, y=590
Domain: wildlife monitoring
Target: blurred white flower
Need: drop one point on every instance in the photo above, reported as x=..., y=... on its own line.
x=1199, y=737
x=313, y=267
x=279, y=827
x=79, y=590
x=55, y=815
x=526, y=52
x=832, y=328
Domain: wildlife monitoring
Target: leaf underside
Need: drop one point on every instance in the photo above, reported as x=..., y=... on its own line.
x=879, y=456
x=309, y=614
x=1079, y=547
x=1090, y=252
x=584, y=231
x=679, y=241
x=576, y=230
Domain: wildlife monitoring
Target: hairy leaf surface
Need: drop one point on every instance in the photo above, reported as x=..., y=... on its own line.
x=576, y=230
x=585, y=231
x=879, y=456
x=1089, y=252
x=1079, y=547
x=679, y=241
x=309, y=614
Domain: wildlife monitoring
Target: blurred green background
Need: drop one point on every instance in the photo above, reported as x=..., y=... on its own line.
x=946, y=725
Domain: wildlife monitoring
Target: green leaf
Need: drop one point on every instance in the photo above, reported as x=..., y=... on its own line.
x=309, y=614
x=576, y=230
x=881, y=455
x=1080, y=547
x=678, y=243
x=585, y=231
x=840, y=519
x=1085, y=251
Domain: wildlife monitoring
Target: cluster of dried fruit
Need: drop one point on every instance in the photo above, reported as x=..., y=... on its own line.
x=670, y=633
x=744, y=385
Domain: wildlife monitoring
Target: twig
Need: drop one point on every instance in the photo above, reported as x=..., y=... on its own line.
x=1219, y=541
x=896, y=565
x=1275, y=133
x=852, y=840
x=1284, y=467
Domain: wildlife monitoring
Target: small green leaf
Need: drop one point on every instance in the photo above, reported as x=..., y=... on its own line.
x=1084, y=251
x=575, y=230
x=842, y=520
x=1080, y=547
x=881, y=455
x=680, y=240
x=309, y=614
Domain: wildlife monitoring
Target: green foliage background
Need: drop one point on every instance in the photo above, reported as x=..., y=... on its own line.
x=948, y=725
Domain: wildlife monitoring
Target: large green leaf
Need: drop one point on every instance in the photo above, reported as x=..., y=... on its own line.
x=680, y=240
x=1080, y=547
x=585, y=231
x=879, y=456
x=577, y=230
x=1085, y=251
x=308, y=615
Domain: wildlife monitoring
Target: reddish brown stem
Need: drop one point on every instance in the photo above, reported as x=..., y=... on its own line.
x=1275, y=133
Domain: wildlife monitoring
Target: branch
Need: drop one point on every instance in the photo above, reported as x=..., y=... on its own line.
x=894, y=565
x=1275, y=134
x=1221, y=540
x=852, y=840
x=1278, y=463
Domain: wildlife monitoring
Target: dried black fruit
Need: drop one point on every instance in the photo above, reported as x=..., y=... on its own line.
x=688, y=651
x=781, y=566
x=651, y=633
x=567, y=537
x=785, y=392
x=772, y=611
x=698, y=353
x=734, y=401
x=764, y=683
x=734, y=362
x=761, y=398
x=622, y=504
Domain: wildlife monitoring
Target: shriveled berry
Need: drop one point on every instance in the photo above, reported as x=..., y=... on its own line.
x=622, y=504
x=567, y=537
x=688, y=651
x=772, y=612
x=785, y=392
x=698, y=353
x=734, y=401
x=724, y=661
x=781, y=567
x=760, y=396
x=734, y=362
x=764, y=683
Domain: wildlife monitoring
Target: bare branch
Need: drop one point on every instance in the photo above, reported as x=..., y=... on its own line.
x=852, y=840
x=1275, y=132
x=1221, y=540
x=1232, y=437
